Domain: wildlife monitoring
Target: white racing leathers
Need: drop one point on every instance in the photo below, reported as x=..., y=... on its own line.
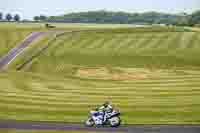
x=105, y=116
x=105, y=110
x=109, y=108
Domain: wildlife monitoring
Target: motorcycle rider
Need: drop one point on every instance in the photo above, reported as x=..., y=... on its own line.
x=104, y=114
x=105, y=108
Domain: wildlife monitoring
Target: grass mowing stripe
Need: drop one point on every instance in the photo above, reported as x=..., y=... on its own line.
x=129, y=42
x=128, y=103
x=98, y=93
x=183, y=77
x=84, y=42
x=58, y=45
x=141, y=40
x=139, y=89
x=115, y=41
x=122, y=38
x=53, y=97
x=123, y=43
x=76, y=38
x=96, y=44
x=134, y=84
x=174, y=43
x=126, y=111
x=133, y=42
x=169, y=40
x=125, y=89
x=76, y=43
x=55, y=47
x=150, y=44
x=90, y=42
x=153, y=100
x=85, y=108
x=155, y=84
x=101, y=45
x=74, y=97
x=145, y=42
x=186, y=101
x=43, y=107
x=162, y=40
x=186, y=39
x=44, y=117
x=192, y=41
x=197, y=44
x=68, y=41
x=122, y=88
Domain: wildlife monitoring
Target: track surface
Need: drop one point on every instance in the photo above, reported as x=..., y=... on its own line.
x=13, y=53
x=77, y=127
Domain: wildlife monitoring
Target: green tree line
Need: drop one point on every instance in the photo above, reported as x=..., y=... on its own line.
x=9, y=17
x=124, y=18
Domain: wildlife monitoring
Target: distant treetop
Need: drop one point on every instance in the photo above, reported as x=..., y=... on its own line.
x=123, y=18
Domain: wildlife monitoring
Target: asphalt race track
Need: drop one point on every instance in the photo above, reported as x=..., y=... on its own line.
x=13, y=53
x=8, y=124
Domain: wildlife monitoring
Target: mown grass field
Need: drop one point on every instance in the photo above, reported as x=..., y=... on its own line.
x=62, y=26
x=13, y=33
x=151, y=74
x=140, y=47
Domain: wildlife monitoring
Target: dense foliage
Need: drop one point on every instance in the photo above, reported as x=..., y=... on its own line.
x=126, y=18
x=195, y=18
x=16, y=17
x=1, y=16
x=9, y=17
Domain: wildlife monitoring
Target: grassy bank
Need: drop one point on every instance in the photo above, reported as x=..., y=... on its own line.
x=161, y=97
x=116, y=48
x=152, y=75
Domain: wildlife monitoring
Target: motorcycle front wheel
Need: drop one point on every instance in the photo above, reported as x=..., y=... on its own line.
x=115, y=121
x=89, y=122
